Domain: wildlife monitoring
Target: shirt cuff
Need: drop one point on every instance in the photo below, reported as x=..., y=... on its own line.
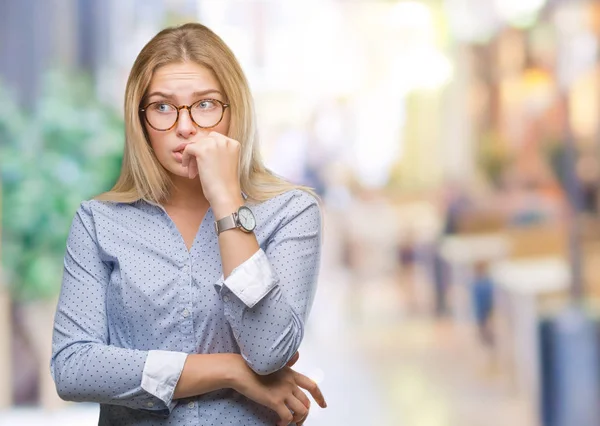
x=252, y=280
x=161, y=373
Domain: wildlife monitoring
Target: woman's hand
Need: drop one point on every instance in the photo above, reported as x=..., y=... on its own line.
x=280, y=391
x=215, y=160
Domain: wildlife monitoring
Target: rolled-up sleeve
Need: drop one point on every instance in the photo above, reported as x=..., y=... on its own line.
x=162, y=371
x=252, y=280
x=84, y=365
x=267, y=299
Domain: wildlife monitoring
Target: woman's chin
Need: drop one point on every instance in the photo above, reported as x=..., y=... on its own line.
x=181, y=174
x=177, y=170
x=174, y=168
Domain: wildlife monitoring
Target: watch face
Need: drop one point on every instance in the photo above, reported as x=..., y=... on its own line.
x=246, y=218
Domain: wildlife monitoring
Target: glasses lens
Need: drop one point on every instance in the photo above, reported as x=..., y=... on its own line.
x=161, y=116
x=207, y=112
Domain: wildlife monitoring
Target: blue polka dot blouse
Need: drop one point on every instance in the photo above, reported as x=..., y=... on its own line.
x=135, y=301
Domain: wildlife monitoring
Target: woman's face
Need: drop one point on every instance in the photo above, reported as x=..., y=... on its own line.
x=182, y=84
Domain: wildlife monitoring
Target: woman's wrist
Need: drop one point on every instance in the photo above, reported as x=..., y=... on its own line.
x=204, y=373
x=226, y=206
x=230, y=371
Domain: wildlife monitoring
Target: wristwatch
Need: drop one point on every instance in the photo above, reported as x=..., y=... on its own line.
x=243, y=219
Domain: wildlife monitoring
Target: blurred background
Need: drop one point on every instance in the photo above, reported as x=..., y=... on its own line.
x=456, y=147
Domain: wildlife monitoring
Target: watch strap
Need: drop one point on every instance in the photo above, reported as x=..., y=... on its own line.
x=227, y=223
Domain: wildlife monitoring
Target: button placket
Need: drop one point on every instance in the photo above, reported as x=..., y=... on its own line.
x=184, y=309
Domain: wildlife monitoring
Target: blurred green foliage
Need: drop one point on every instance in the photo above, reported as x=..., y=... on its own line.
x=68, y=149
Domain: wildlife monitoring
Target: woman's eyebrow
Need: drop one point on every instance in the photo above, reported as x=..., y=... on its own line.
x=205, y=92
x=161, y=94
x=171, y=96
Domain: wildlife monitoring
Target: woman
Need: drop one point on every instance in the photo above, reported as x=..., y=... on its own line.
x=186, y=287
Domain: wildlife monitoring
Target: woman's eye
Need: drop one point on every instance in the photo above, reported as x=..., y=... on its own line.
x=206, y=105
x=163, y=107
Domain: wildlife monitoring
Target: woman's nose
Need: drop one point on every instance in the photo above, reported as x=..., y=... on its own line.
x=185, y=126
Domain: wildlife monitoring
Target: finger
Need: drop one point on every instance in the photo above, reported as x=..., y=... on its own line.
x=300, y=411
x=227, y=141
x=293, y=359
x=302, y=397
x=193, y=169
x=301, y=421
x=233, y=145
x=306, y=383
x=191, y=150
x=216, y=135
x=217, y=138
x=189, y=159
x=284, y=414
x=186, y=161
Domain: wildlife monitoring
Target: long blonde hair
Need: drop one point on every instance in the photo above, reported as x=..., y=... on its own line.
x=142, y=176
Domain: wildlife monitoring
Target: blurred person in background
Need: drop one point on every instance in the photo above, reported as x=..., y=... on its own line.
x=187, y=286
x=407, y=259
x=482, y=297
x=456, y=203
x=588, y=174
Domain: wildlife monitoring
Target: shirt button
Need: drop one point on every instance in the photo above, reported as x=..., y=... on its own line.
x=225, y=298
x=150, y=404
x=186, y=313
x=191, y=404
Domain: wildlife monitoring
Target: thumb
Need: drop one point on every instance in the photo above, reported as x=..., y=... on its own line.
x=293, y=360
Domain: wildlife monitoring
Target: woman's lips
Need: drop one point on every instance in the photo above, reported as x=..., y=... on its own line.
x=181, y=146
x=178, y=151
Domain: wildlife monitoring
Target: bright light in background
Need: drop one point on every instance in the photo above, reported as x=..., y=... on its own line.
x=413, y=62
x=380, y=119
x=416, y=61
x=410, y=24
x=423, y=68
x=477, y=20
x=318, y=53
x=371, y=54
x=520, y=13
x=237, y=34
x=411, y=14
x=471, y=20
x=301, y=52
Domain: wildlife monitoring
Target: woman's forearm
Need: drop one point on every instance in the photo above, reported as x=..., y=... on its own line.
x=235, y=245
x=203, y=373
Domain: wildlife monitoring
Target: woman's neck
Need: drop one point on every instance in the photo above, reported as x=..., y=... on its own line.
x=186, y=194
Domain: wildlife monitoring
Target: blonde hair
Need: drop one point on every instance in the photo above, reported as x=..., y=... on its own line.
x=142, y=176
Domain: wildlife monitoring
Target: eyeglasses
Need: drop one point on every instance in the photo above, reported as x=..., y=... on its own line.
x=205, y=113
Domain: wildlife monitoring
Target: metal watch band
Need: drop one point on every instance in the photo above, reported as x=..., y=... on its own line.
x=228, y=222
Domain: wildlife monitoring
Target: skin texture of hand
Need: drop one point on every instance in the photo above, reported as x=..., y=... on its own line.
x=299, y=421
x=280, y=391
x=216, y=164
